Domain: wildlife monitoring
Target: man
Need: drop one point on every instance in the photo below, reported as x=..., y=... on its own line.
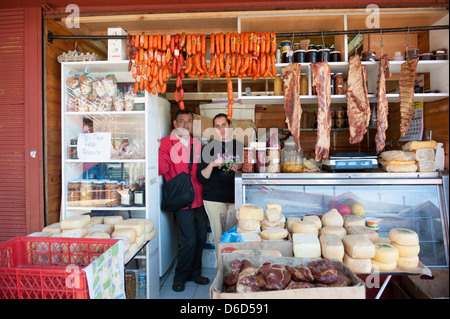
x=174, y=157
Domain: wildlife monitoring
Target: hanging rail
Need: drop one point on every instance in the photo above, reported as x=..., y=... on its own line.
x=52, y=36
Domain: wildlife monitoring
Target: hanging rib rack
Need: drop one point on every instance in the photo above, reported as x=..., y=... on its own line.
x=52, y=37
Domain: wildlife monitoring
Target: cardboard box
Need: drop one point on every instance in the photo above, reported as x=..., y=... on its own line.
x=435, y=287
x=117, y=49
x=356, y=291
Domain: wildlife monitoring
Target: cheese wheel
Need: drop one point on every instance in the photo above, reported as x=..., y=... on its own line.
x=251, y=237
x=274, y=206
x=363, y=230
x=408, y=251
x=249, y=225
x=353, y=220
x=332, y=218
x=250, y=212
x=111, y=220
x=290, y=221
x=274, y=233
x=273, y=214
x=150, y=235
x=313, y=218
x=74, y=222
x=378, y=266
x=281, y=222
x=305, y=227
x=386, y=253
x=358, y=246
x=358, y=265
x=408, y=262
x=332, y=247
x=336, y=230
x=403, y=236
x=54, y=228
x=306, y=245
x=129, y=233
x=137, y=224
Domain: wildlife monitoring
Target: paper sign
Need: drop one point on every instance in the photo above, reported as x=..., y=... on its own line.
x=94, y=147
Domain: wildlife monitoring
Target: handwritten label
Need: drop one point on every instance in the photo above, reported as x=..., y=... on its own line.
x=94, y=147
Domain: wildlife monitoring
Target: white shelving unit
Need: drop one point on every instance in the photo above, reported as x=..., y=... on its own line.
x=137, y=125
x=439, y=78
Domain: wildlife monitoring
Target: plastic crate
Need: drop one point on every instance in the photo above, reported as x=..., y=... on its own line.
x=47, y=267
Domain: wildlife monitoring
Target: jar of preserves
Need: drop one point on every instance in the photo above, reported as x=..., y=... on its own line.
x=112, y=196
x=303, y=84
x=74, y=191
x=248, y=165
x=273, y=160
x=339, y=84
x=291, y=157
x=86, y=188
x=311, y=55
x=332, y=84
x=278, y=85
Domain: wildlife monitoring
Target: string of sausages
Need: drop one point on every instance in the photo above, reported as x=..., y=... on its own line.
x=157, y=57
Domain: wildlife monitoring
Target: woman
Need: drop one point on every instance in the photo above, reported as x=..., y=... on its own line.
x=221, y=158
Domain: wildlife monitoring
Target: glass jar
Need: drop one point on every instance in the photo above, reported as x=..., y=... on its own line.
x=248, y=166
x=74, y=191
x=273, y=160
x=332, y=84
x=86, y=188
x=303, y=84
x=278, y=85
x=112, y=196
x=98, y=192
x=261, y=160
x=299, y=56
x=291, y=157
x=311, y=56
x=339, y=84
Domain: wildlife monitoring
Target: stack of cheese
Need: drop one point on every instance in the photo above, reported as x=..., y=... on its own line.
x=406, y=241
x=359, y=251
x=273, y=224
x=133, y=232
x=424, y=153
x=398, y=161
x=331, y=235
x=354, y=224
x=249, y=218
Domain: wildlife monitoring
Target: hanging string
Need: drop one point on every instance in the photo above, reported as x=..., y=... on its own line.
x=381, y=41
x=406, y=39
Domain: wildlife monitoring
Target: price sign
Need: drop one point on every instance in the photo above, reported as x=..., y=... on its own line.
x=94, y=147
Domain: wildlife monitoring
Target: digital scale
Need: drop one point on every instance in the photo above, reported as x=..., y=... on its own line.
x=350, y=161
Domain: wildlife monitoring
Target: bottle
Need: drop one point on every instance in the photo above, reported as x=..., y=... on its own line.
x=142, y=278
x=126, y=195
x=139, y=194
x=278, y=85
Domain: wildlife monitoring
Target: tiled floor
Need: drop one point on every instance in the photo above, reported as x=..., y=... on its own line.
x=191, y=291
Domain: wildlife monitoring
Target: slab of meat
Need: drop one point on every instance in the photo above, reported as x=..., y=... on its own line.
x=300, y=273
x=298, y=285
x=358, y=108
x=276, y=276
x=322, y=81
x=406, y=83
x=382, y=104
x=292, y=106
x=232, y=277
x=248, y=279
x=323, y=271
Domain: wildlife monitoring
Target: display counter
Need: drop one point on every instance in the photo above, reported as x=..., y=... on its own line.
x=416, y=201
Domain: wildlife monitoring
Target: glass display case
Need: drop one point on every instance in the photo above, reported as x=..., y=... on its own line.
x=417, y=201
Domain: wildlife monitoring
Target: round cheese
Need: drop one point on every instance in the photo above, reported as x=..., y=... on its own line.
x=313, y=218
x=250, y=212
x=408, y=251
x=386, y=253
x=332, y=218
x=406, y=262
x=403, y=236
x=378, y=266
x=305, y=227
x=337, y=230
x=274, y=233
x=291, y=221
x=251, y=237
x=249, y=225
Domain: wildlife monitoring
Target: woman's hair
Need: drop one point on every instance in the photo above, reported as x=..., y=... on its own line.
x=221, y=115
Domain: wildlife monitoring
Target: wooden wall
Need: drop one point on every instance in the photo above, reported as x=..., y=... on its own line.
x=52, y=115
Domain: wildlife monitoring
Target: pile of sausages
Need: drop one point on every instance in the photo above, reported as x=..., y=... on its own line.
x=157, y=57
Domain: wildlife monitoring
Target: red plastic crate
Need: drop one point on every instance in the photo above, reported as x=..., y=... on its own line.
x=47, y=267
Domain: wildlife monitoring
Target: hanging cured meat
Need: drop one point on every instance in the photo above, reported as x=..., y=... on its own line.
x=322, y=81
x=382, y=104
x=358, y=108
x=406, y=83
x=292, y=106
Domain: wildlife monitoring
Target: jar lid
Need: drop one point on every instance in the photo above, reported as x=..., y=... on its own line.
x=338, y=74
x=311, y=50
x=335, y=52
x=299, y=51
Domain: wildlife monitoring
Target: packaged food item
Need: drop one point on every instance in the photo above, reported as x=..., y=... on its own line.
x=119, y=103
x=85, y=85
x=339, y=84
x=273, y=160
x=303, y=84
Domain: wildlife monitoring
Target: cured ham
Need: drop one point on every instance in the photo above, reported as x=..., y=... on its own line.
x=322, y=81
x=406, y=83
x=358, y=107
x=382, y=104
x=292, y=106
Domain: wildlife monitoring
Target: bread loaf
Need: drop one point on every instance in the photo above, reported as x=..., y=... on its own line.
x=358, y=246
x=415, y=145
x=306, y=245
x=74, y=222
x=403, y=236
x=332, y=218
x=250, y=212
x=332, y=247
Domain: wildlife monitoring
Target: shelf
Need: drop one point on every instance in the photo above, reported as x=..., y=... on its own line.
x=117, y=113
x=88, y=208
x=108, y=161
